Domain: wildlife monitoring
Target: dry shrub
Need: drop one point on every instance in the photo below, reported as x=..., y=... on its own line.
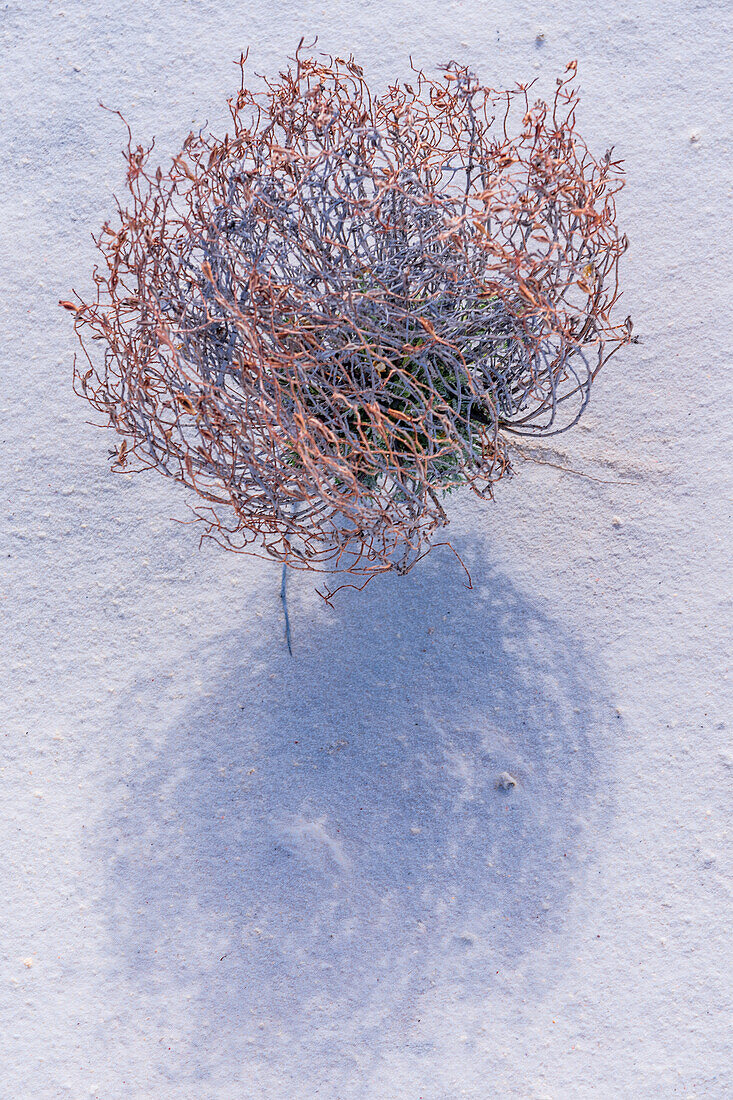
x=341, y=310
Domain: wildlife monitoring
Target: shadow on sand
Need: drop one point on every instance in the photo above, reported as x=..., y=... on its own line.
x=322, y=840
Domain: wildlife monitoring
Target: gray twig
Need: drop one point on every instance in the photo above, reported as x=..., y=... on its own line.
x=284, y=598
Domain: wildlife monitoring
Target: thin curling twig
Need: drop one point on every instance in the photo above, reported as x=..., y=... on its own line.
x=338, y=312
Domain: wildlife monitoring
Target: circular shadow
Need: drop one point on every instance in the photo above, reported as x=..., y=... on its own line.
x=405, y=806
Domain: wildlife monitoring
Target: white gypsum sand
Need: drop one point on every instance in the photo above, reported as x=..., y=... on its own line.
x=463, y=843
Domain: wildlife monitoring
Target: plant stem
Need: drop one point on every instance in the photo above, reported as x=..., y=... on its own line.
x=284, y=598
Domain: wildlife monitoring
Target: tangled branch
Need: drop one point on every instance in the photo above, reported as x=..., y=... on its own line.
x=342, y=309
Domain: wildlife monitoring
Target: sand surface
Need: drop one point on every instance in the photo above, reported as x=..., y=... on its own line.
x=227, y=873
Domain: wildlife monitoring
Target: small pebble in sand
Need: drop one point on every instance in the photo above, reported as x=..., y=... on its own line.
x=505, y=782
